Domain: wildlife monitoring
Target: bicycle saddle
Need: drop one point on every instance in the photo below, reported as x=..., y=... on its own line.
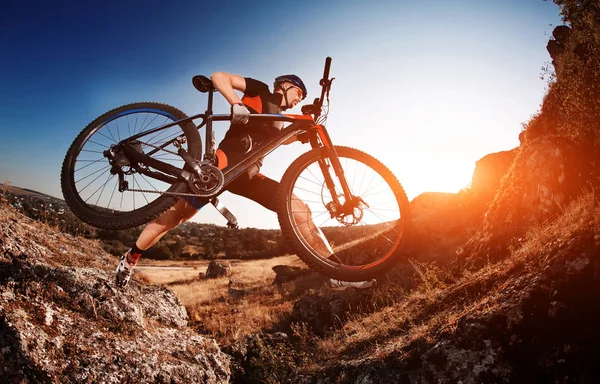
x=203, y=83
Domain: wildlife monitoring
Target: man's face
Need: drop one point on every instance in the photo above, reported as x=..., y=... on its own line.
x=294, y=96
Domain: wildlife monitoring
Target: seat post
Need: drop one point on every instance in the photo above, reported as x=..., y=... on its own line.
x=210, y=138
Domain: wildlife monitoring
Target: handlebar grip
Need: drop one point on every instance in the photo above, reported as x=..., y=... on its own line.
x=327, y=66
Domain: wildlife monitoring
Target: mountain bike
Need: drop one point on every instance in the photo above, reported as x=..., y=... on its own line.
x=134, y=162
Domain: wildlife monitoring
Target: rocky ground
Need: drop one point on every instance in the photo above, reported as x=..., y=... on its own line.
x=63, y=320
x=530, y=318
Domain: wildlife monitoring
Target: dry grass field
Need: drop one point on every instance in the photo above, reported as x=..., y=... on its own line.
x=227, y=308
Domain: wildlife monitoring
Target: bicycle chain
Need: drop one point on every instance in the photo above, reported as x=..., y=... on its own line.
x=165, y=192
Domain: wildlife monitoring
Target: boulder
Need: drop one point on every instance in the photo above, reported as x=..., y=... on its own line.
x=321, y=311
x=489, y=171
x=442, y=222
x=546, y=175
x=285, y=273
x=265, y=358
x=218, y=268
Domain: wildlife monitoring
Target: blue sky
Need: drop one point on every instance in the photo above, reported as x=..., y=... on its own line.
x=428, y=87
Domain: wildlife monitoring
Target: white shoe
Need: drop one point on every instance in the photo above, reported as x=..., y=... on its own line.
x=123, y=272
x=333, y=283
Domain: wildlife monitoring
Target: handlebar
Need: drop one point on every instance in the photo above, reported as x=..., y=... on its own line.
x=326, y=85
x=258, y=116
x=327, y=66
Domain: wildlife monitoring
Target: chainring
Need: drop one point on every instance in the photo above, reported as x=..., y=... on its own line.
x=208, y=183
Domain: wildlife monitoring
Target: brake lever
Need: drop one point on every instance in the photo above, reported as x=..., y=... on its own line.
x=329, y=87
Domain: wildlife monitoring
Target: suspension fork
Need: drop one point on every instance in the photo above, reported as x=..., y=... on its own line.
x=319, y=138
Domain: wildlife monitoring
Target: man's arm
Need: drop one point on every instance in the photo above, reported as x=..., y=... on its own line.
x=227, y=84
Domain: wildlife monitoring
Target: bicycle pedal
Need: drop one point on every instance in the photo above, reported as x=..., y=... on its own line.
x=231, y=219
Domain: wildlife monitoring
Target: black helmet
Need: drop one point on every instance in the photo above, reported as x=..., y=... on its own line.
x=294, y=80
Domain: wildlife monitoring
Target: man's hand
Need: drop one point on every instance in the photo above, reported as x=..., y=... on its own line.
x=239, y=114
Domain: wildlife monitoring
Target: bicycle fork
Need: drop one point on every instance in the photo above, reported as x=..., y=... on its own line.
x=320, y=139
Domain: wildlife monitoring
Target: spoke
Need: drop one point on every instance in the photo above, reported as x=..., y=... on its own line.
x=336, y=258
x=381, y=216
x=85, y=166
x=169, y=138
x=147, y=125
x=92, y=141
x=111, y=195
x=371, y=181
x=383, y=209
x=135, y=132
x=148, y=182
x=140, y=187
x=311, y=211
x=354, y=176
x=311, y=201
x=306, y=190
x=377, y=193
x=128, y=125
x=101, y=192
x=89, y=161
x=93, y=173
x=387, y=202
x=103, y=135
x=386, y=223
x=316, y=178
x=310, y=181
x=362, y=180
x=102, y=186
x=377, y=185
x=118, y=133
x=110, y=132
x=87, y=150
x=161, y=131
x=100, y=175
x=135, y=125
x=387, y=238
x=326, y=220
x=312, y=218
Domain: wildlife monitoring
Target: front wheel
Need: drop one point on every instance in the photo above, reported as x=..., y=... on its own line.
x=359, y=242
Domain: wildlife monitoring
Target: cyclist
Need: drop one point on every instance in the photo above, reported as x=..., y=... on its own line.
x=289, y=90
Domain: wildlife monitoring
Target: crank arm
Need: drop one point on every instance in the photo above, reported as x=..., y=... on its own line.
x=190, y=161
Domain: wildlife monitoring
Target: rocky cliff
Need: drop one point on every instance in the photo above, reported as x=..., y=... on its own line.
x=62, y=320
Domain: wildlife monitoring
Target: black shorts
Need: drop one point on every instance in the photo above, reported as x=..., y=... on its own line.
x=252, y=184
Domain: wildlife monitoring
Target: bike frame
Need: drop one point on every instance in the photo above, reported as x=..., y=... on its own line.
x=317, y=133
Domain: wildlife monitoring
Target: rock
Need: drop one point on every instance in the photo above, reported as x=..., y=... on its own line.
x=264, y=358
x=218, y=268
x=62, y=319
x=489, y=171
x=442, y=222
x=285, y=273
x=547, y=174
x=235, y=293
x=321, y=311
x=558, y=46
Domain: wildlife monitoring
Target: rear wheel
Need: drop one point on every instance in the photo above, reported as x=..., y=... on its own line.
x=366, y=236
x=90, y=188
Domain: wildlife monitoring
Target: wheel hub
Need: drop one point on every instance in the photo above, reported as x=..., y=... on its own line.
x=348, y=213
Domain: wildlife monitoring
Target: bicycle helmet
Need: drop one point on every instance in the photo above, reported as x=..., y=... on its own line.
x=294, y=80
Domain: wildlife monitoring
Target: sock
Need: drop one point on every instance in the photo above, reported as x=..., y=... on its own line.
x=133, y=255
